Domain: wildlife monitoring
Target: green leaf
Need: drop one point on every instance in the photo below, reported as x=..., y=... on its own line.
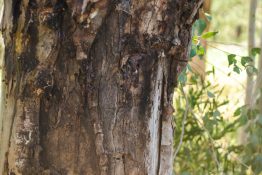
x=259, y=120
x=182, y=78
x=243, y=119
x=200, y=51
x=245, y=60
x=193, y=52
x=209, y=35
x=236, y=69
x=210, y=94
x=237, y=112
x=251, y=70
x=216, y=113
x=189, y=68
x=231, y=59
x=255, y=51
x=208, y=16
x=213, y=70
x=199, y=26
x=195, y=40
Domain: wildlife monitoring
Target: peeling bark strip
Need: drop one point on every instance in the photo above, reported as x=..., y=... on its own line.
x=89, y=83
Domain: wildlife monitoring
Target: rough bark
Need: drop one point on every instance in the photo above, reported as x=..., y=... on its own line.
x=88, y=85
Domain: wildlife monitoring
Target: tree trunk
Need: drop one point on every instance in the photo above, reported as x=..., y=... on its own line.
x=88, y=85
x=251, y=44
x=258, y=88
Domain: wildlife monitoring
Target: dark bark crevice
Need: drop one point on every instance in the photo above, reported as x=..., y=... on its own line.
x=160, y=123
x=16, y=13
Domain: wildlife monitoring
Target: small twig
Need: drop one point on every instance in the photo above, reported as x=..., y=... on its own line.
x=226, y=52
x=225, y=43
x=220, y=70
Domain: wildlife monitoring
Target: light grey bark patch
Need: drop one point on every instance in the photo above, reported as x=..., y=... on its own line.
x=154, y=123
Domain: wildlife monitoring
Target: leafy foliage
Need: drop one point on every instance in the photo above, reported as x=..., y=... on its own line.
x=252, y=155
x=204, y=129
x=203, y=134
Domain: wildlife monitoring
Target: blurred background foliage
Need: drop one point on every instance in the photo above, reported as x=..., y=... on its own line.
x=230, y=18
x=216, y=132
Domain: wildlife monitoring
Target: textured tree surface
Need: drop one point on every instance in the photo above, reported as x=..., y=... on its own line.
x=88, y=85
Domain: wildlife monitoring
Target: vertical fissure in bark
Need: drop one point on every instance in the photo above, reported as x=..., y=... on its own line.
x=16, y=12
x=160, y=123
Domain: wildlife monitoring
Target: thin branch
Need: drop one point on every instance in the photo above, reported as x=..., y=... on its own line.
x=183, y=124
x=226, y=43
x=220, y=70
x=226, y=52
